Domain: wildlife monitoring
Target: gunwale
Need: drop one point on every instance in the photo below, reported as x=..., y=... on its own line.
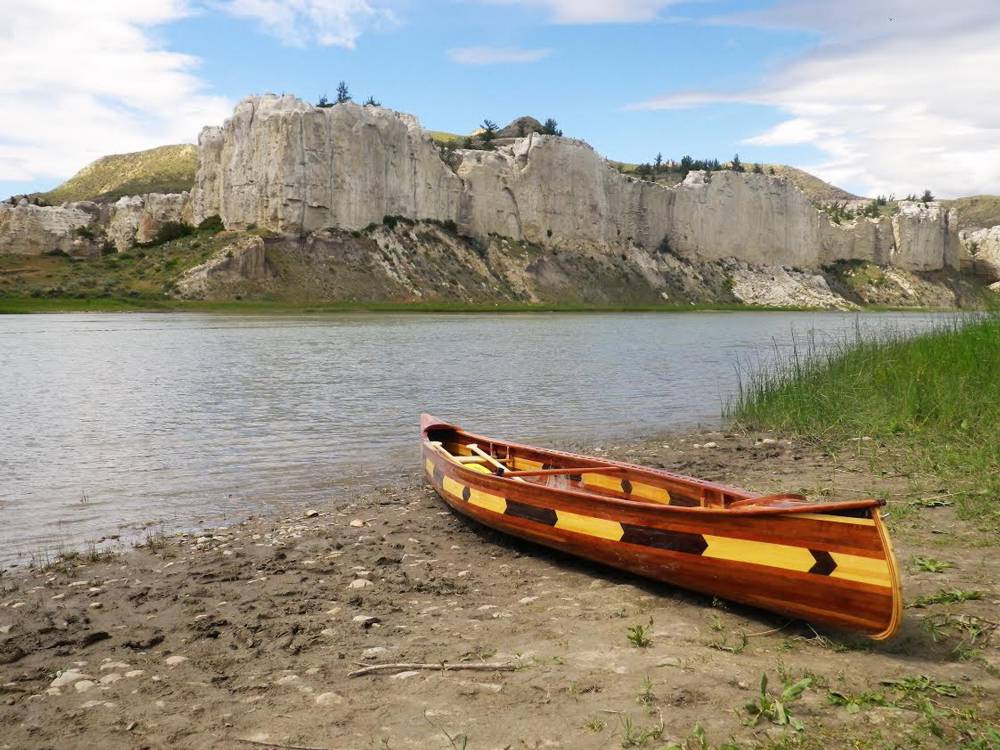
x=849, y=539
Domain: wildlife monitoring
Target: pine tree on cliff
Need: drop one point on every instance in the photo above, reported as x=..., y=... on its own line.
x=342, y=93
x=551, y=127
x=658, y=162
x=737, y=164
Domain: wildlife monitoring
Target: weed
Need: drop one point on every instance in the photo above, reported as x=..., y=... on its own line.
x=636, y=736
x=641, y=636
x=775, y=709
x=930, y=565
x=596, y=725
x=742, y=641
x=946, y=596
x=912, y=686
x=646, y=696
x=857, y=701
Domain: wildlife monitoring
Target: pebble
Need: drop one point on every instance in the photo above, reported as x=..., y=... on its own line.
x=173, y=661
x=68, y=678
x=670, y=661
x=405, y=675
x=527, y=599
x=288, y=679
x=82, y=686
x=96, y=605
x=710, y=445
x=312, y=671
x=357, y=523
x=4, y=629
x=57, y=597
x=359, y=583
x=53, y=691
x=374, y=652
x=311, y=513
x=366, y=620
x=329, y=699
x=112, y=665
x=135, y=673
x=110, y=678
x=77, y=583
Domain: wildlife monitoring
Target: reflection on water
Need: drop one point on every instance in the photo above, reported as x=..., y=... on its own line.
x=109, y=421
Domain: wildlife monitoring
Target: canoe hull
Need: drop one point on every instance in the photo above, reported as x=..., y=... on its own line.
x=832, y=569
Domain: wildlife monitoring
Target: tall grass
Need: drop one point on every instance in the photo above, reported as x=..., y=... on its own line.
x=935, y=395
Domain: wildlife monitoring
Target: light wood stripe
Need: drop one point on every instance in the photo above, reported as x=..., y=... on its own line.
x=589, y=525
x=834, y=519
x=487, y=501
x=759, y=553
x=639, y=489
x=862, y=569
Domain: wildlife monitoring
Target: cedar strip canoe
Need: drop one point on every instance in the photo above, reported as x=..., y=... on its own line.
x=827, y=563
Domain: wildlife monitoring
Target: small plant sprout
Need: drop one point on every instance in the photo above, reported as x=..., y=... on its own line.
x=775, y=709
x=641, y=636
x=596, y=725
x=646, y=697
x=930, y=565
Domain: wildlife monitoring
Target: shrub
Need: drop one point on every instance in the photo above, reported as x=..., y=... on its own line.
x=211, y=224
x=168, y=231
x=551, y=127
x=85, y=233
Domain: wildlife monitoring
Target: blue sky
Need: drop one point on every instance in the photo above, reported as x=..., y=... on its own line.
x=892, y=96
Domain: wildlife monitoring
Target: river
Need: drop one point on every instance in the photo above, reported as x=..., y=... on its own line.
x=109, y=423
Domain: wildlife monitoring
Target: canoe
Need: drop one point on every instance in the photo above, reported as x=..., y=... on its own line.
x=829, y=563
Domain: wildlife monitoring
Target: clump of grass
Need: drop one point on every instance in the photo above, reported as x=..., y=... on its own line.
x=947, y=596
x=935, y=395
x=641, y=635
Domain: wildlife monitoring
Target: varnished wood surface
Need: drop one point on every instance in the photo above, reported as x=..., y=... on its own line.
x=828, y=563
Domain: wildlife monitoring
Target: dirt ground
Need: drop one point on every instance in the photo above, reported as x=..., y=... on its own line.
x=245, y=636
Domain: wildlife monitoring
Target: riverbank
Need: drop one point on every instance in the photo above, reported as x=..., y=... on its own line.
x=248, y=634
x=26, y=305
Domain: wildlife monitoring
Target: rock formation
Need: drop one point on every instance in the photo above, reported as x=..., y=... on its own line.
x=285, y=165
x=227, y=270
x=84, y=229
x=982, y=247
x=26, y=229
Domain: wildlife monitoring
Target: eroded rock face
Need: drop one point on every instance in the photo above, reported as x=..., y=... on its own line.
x=282, y=164
x=137, y=218
x=27, y=229
x=983, y=249
x=241, y=262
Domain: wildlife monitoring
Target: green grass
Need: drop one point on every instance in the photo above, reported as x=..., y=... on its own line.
x=934, y=399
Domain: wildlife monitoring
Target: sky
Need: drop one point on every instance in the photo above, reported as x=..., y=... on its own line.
x=879, y=97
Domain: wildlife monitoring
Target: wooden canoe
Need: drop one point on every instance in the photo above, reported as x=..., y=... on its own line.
x=827, y=563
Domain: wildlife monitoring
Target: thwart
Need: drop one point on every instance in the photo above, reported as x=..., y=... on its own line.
x=828, y=563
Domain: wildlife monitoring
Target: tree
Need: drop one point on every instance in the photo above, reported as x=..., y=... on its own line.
x=551, y=127
x=370, y=102
x=927, y=197
x=324, y=103
x=687, y=164
x=490, y=129
x=658, y=162
x=737, y=164
x=342, y=93
x=758, y=169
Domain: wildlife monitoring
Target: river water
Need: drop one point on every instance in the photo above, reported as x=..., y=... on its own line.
x=109, y=423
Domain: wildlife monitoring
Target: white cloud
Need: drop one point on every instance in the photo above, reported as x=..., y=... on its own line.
x=328, y=23
x=595, y=11
x=496, y=55
x=86, y=79
x=899, y=99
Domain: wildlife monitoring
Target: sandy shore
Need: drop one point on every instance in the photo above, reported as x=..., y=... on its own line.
x=245, y=636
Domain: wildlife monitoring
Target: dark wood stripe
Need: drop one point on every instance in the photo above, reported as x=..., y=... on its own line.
x=546, y=516
x=678, y=541
x=825, y=564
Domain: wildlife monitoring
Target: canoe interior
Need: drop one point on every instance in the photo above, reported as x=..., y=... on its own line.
x=564, y=471
x=829, y=563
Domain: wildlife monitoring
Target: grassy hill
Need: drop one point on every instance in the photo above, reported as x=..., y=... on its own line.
x=167, y=169
x=977, y=211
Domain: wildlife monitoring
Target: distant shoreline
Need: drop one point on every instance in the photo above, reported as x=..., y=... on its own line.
x=35, y=305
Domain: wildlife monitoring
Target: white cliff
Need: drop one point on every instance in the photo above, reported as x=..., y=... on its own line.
x=982, y=250
x=280, y=163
